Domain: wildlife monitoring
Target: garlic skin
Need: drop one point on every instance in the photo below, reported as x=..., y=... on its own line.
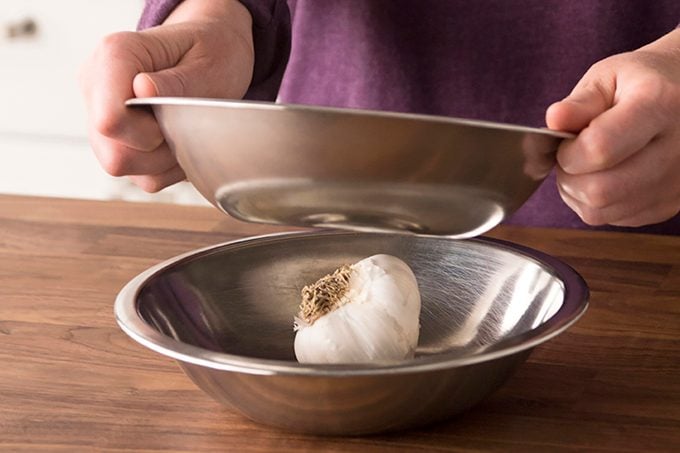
x=375, y=319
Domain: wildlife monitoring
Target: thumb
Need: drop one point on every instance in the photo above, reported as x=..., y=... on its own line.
x=589, y=99
x=165, y=48
x=168, y=82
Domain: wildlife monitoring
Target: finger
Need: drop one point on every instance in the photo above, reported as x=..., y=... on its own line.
x=607, y=215
x=636, y=190
x=132, y=127
x=120, y=160
x=197, y=67
x=577, y=110
x=107, y=90
x=650, y=216
x=611, y=138
x=167, y=47
x=164, y=47
x=135, y=128
x=117, y=61
x=168, y=82
x=595, y=190
x=109, y=85
x=181, y=80
x=587, y=215
x=603, y=190
x=154, y=183
x=645, y=177
x=143, y=86
x=622, y=214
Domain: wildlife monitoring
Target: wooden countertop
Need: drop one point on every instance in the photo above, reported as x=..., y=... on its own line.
x=71, y=380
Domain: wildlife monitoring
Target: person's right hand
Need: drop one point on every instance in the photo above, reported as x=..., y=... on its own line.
x=203, y=49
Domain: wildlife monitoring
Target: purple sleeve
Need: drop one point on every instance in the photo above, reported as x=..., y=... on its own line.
x=271, y=39
x=155, y=12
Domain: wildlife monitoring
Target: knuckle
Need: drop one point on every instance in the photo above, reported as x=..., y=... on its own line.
x=632, y=223
x=115, y=168
x=149, y=184
x=592, y=217
x=114, y=162
x=108, y=124
x=597, y=195
x=596, y=147
x=650, y=92
x=655, y=91
x=179, y=84
x=115, y=43
x=650, y=87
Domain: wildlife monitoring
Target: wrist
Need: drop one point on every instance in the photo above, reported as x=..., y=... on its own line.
x=205, y=10
x=668, y=44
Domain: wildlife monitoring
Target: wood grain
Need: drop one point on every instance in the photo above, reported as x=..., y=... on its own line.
x=70, y=380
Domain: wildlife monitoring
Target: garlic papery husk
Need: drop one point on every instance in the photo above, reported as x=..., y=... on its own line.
x=366, y=312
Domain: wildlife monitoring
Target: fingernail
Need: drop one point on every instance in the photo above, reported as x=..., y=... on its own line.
x=574, y=193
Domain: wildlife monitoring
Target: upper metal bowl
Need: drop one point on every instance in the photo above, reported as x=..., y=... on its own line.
x=226, y=314
x=358, y=169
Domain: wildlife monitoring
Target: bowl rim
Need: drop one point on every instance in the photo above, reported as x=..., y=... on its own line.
x=129, y=319
x=315, y=110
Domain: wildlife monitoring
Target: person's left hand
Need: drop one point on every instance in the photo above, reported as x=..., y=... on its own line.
x=623, y=168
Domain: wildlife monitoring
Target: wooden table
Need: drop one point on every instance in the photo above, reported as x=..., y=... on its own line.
x=70, y=380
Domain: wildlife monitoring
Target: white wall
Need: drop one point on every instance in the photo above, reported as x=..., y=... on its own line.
x=43, y=144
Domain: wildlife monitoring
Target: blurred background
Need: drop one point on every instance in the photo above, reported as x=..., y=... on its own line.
x=43, y=135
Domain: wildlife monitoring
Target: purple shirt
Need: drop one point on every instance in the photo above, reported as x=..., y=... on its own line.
x=493, y=60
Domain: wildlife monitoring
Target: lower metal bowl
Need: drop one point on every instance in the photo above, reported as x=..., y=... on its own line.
x=225, y=313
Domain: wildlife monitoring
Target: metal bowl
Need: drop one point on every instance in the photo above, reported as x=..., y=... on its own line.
x=356, y=169
x=225, y=313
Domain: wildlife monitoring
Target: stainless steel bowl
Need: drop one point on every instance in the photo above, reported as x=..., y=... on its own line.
x=225, y=313
x=356, y=169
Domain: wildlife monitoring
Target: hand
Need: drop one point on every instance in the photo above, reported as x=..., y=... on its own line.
x=204, y=49
x=623, y=168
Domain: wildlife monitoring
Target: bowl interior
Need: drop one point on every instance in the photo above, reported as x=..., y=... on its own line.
x=240, y=298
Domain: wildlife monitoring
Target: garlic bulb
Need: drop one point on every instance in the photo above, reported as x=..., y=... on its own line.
x=365, y=312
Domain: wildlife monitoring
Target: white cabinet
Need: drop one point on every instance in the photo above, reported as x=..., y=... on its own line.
x=43, y=143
